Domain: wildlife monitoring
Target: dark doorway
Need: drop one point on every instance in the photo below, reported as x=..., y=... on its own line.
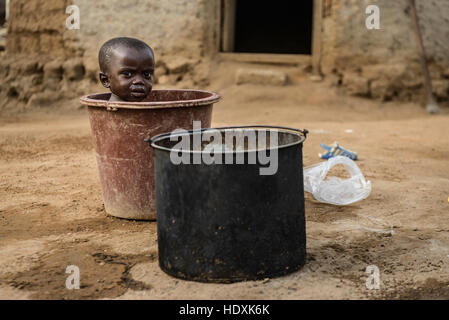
x=267, y=26
x=2, y=12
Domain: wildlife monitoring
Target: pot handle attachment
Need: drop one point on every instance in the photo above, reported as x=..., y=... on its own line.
x=151, y=140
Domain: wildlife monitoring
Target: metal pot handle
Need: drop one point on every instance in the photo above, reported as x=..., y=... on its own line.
x=304, y=132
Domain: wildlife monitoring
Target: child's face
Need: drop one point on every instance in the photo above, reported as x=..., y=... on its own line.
x=129, y=74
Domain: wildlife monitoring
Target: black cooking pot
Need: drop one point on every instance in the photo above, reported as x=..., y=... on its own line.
x=230, y=222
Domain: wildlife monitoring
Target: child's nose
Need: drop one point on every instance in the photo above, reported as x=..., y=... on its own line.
x=138, y=80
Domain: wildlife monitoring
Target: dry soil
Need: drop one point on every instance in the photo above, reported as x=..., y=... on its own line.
x=52, y=215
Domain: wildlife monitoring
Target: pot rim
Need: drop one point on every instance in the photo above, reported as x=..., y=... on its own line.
x=91, y=101
x=302, y=134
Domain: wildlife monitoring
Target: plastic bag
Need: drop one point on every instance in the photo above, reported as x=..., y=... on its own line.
x=334, y=190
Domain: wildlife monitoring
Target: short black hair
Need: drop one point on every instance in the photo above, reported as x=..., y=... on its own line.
x=105, y=54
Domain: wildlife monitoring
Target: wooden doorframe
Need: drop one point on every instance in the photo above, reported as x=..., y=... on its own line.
x=226, y=44
x=317, y=29
x=228, y=32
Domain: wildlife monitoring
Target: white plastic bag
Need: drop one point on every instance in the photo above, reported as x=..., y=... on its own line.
x=334, y=190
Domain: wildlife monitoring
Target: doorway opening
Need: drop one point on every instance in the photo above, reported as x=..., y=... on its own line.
x=2, y=12
x=279, y=27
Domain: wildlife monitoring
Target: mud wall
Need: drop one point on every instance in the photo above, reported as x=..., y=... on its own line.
x=32, y=68
x=384, y=64
x=179, y=31
x=46, y=62
x=36, y=27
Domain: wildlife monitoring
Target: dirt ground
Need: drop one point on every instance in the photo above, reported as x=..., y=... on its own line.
x=52, y=216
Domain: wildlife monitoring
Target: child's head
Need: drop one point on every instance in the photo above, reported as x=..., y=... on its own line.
x=127, y=68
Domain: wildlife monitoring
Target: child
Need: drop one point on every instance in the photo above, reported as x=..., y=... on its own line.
x=127, y=69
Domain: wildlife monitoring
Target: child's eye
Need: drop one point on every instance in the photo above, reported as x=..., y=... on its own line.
x=147, y=74
x=126, y=74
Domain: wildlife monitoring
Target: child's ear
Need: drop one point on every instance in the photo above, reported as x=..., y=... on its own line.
x=104, y=79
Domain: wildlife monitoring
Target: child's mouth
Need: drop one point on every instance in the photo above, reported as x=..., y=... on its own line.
x=138, y=93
